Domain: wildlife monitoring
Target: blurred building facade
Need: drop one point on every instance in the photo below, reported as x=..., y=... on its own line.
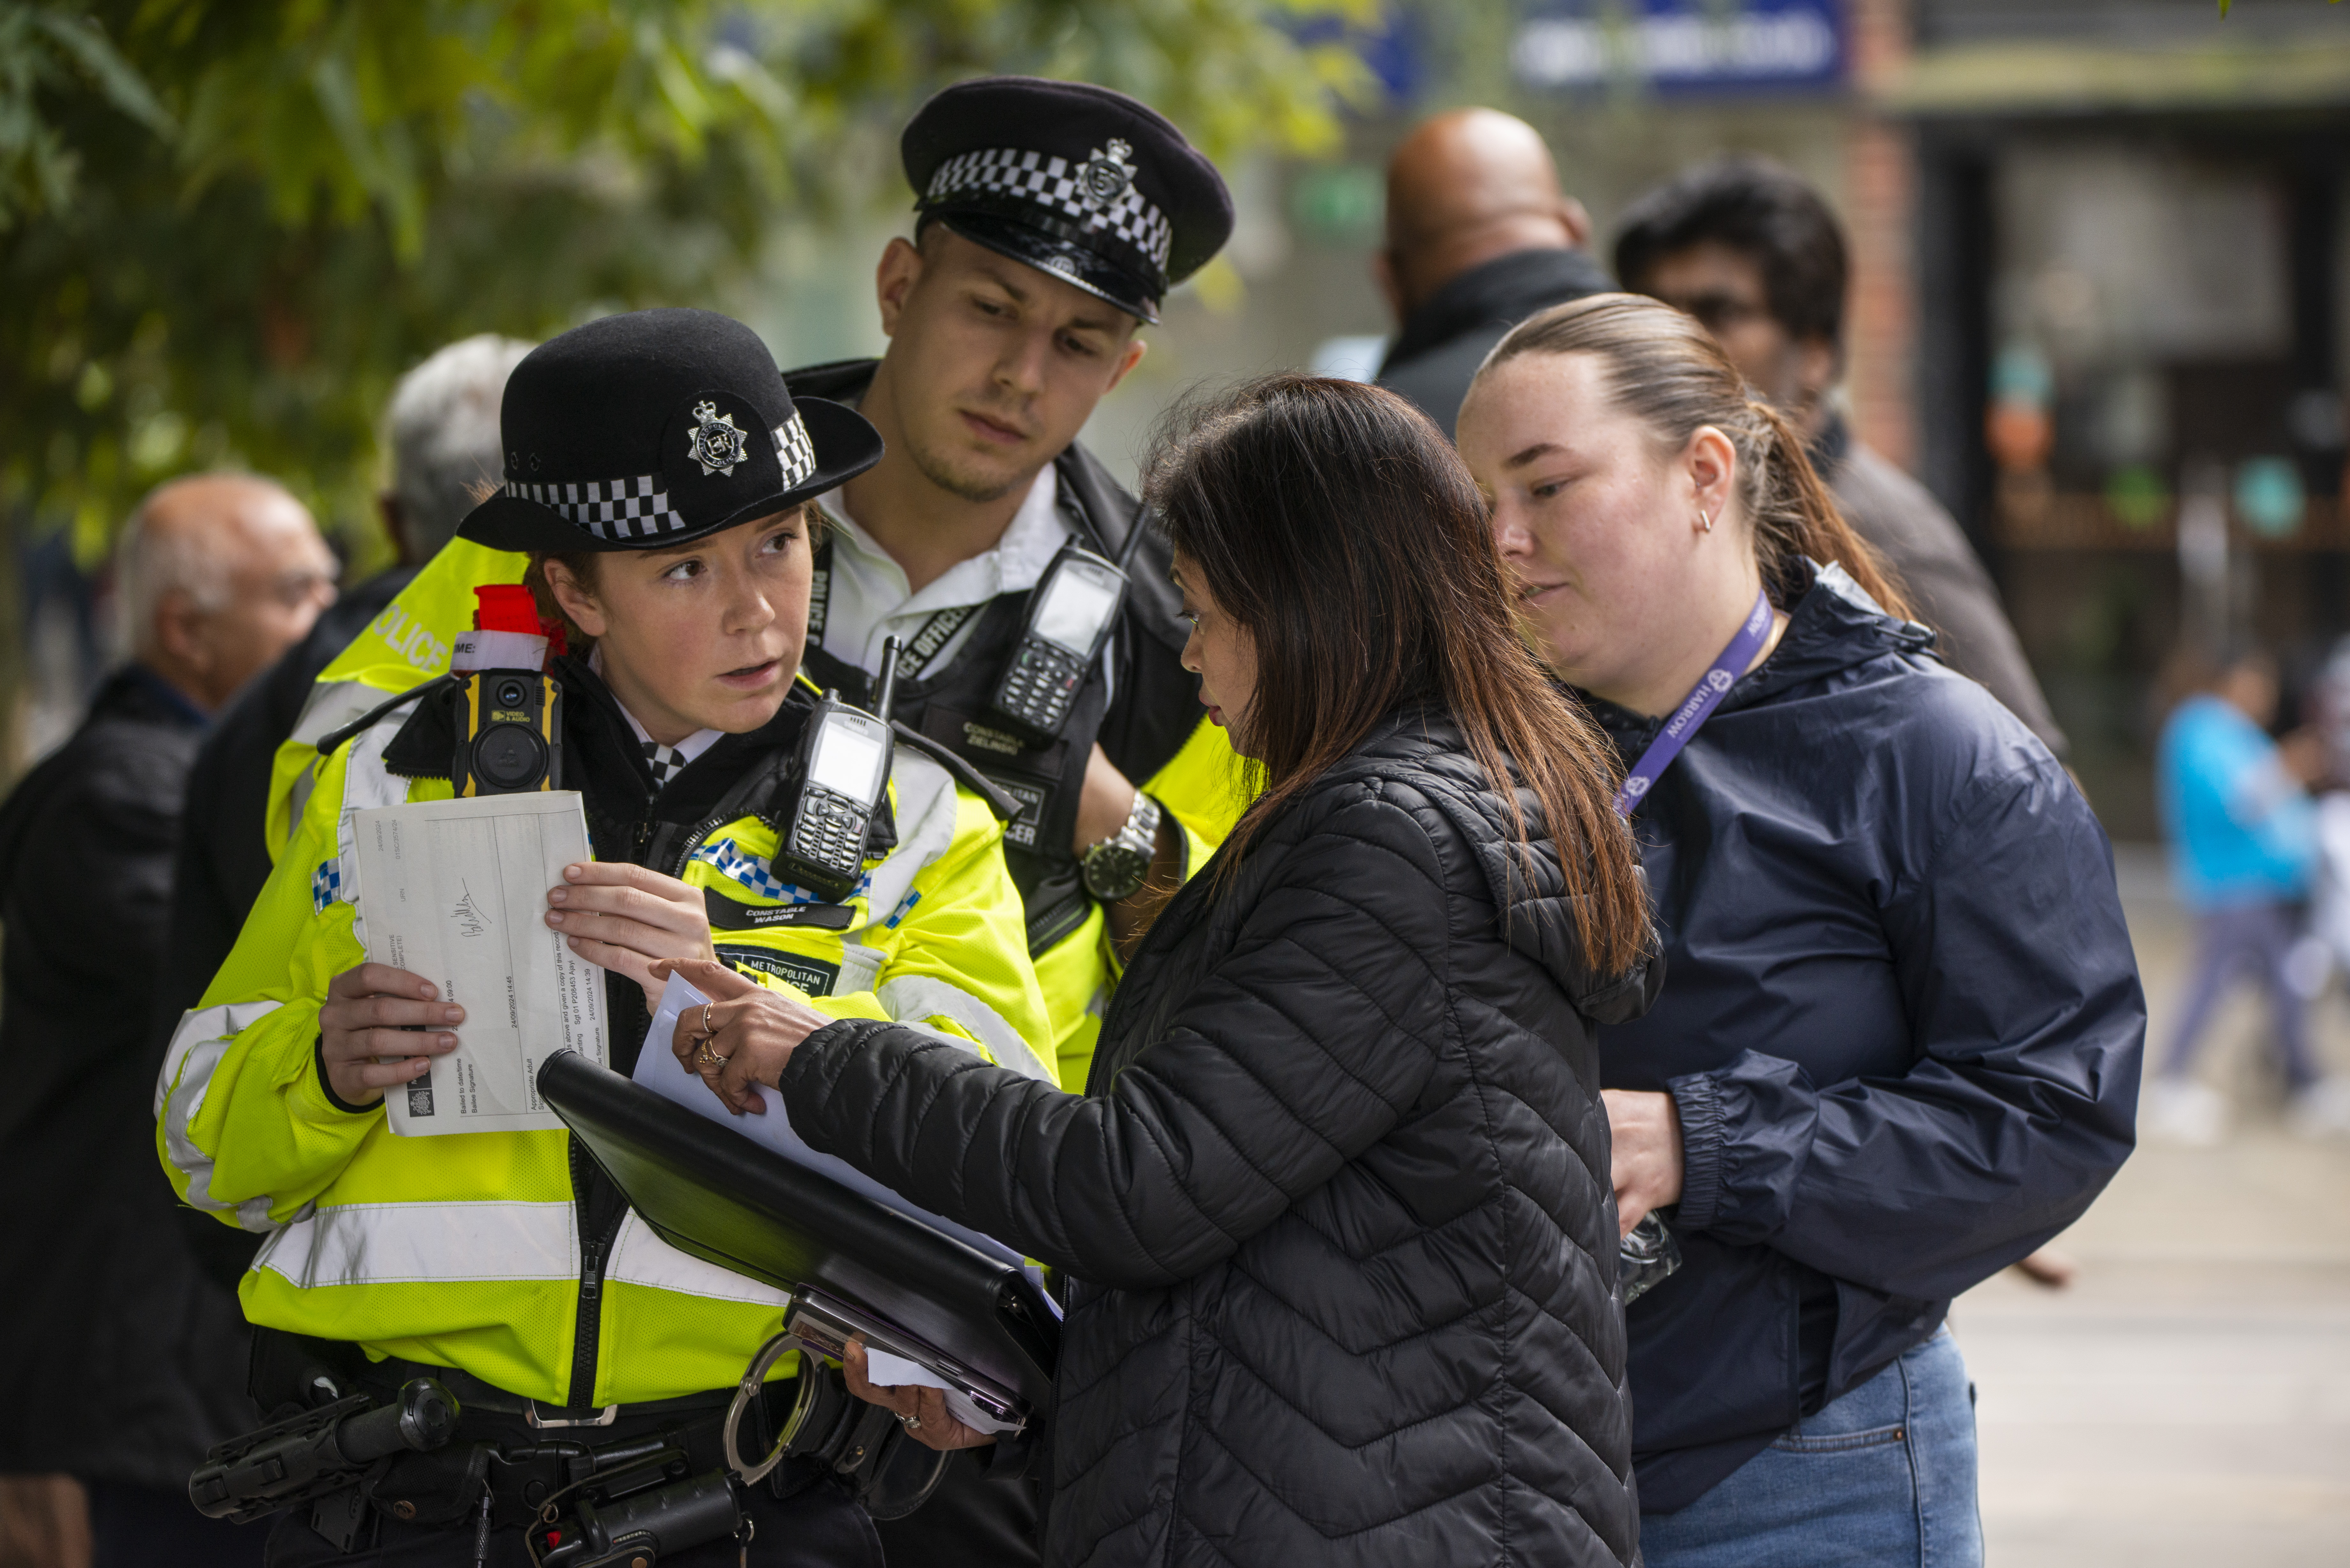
x=2102, y=281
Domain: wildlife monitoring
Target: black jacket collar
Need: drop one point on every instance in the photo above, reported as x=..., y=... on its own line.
x=1834, y=626
x=1500, y=292
x=601, y=759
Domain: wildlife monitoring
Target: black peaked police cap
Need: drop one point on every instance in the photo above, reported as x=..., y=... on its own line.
x=1072, y=179
x=653, y=429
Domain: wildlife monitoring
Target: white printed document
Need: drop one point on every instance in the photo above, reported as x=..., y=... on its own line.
x=455, y=890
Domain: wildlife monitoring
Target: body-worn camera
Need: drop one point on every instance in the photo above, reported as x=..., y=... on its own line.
x=509, y=735
x=1069, y=617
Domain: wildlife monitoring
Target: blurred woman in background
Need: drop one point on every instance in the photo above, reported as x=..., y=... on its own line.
x=1899, y=1045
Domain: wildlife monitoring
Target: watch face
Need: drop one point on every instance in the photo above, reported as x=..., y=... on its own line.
x=1113, y=871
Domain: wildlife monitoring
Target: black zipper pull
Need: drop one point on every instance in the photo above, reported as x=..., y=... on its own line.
x=591, y=1273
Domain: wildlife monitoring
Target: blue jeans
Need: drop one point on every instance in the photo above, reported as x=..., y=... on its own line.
x=1884, y=1475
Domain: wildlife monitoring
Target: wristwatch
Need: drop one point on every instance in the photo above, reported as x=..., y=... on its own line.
x=1114, y=867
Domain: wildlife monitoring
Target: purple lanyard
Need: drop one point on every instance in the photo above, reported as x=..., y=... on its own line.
x=1697, y=706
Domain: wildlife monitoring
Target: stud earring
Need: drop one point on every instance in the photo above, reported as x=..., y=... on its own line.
x=1704, y=521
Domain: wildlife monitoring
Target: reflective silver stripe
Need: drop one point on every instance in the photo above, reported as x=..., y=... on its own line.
x=367, y=783
x=925, y=807
x=425, y=1243
x=456, y=1243
x=330, y=705
x=911, y=998
x=197, y=1046
x=641, y=1258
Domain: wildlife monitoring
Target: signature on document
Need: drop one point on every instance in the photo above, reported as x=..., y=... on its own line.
x=468, y=915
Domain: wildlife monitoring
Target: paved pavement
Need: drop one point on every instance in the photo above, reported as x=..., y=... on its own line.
x=2186, y=1401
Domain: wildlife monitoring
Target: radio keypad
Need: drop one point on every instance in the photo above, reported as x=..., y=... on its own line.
x=830, y=833
x=1041, y=683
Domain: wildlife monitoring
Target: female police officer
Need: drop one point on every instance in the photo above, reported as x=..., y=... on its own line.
x=657, y=475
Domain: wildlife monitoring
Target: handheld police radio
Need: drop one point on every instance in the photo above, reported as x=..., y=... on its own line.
x=1069, y=616
x=845, y=755
x=510, y=736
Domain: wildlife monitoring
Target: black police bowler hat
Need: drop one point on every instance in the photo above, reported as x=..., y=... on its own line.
x=648, y=430
x=1072, y=179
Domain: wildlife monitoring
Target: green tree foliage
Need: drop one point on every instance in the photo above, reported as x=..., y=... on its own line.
x=226, y=226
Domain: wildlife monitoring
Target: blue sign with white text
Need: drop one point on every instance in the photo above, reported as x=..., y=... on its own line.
x=1682, y=45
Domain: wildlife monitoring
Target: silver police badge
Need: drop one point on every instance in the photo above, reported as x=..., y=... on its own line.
x=1107, y=176
x=715, y=441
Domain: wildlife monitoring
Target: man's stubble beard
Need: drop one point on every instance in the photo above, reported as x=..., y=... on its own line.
x=937, y=469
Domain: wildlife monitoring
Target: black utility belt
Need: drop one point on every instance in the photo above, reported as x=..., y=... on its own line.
x=524, y=1456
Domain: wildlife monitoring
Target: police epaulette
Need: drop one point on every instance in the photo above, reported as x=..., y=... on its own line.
x=971, y=778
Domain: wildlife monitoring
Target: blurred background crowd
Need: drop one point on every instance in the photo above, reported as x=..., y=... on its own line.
x=2098, y=304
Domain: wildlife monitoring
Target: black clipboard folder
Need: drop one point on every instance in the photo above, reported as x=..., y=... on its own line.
x=847, y=1261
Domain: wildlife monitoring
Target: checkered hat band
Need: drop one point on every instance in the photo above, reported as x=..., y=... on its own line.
x=795, y=451
x=1052, y=183
x=638, y=508
x=609, y=508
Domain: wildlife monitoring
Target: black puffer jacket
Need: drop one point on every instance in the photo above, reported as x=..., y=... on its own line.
x=120, y=1360
x=1336, y=1211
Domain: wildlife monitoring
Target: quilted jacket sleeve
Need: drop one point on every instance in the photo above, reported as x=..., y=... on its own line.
x=2027, y=1023
x=1292, y=1054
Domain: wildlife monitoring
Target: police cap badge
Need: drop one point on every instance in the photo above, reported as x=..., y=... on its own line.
x=653, y=429
x=1078, y=180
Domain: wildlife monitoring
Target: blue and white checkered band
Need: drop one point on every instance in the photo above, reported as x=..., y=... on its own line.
x=638, y=508
x=609, y=508
x=1089, y=193
x=795, y=451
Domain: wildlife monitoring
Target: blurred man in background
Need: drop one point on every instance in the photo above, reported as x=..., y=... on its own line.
x=442, y=432
x=1478, y=238
x=2244, y=847
x=122, y=1361
x=1752, y=251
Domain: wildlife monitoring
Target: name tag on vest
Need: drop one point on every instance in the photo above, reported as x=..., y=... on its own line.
x=726, y=915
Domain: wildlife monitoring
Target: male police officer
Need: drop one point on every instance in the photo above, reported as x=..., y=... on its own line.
x=1055, y=216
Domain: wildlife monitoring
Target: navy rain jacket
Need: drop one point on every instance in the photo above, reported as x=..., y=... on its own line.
x=1901, y=1021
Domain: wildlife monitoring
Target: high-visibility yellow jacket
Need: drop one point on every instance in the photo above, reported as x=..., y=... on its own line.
x=1199, y=788
x=467, y=1250
x=409, y=643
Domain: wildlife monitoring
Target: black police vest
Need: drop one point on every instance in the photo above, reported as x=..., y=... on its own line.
x=1140, y=719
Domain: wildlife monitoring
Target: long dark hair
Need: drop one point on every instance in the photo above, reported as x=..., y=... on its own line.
x=1339, y=529
x=1666, y=370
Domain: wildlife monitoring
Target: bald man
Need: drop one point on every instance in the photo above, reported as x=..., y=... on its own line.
x=123, y=1361
x=1479, y=237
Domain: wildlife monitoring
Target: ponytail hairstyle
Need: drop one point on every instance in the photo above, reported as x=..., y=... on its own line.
x=1666, y=370
x=1343, y=534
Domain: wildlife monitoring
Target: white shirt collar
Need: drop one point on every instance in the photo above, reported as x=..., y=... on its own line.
x=867, y=597
x=1015, y=566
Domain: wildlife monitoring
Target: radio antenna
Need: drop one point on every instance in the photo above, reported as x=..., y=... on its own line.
x=886, y=696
